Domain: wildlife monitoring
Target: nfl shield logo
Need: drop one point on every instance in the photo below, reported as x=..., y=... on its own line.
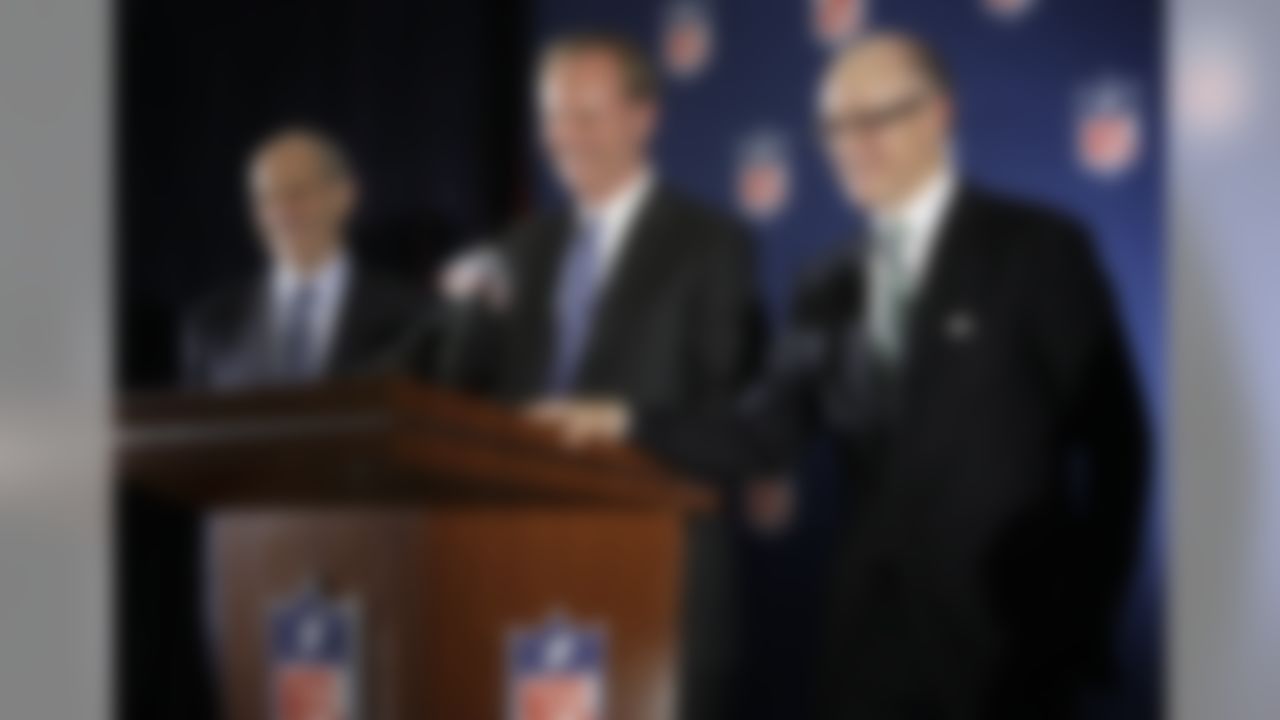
x=1009, y=9
x=763, y=184
x=688, y=38
x=556, y=671
x=1108, y=128
x=314, y=650
x=836, y=21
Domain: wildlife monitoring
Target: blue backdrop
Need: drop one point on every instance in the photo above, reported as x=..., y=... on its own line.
x=1026, y=81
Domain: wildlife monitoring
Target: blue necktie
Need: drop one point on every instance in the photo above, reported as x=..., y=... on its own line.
x=574, y=306
x=296, y=342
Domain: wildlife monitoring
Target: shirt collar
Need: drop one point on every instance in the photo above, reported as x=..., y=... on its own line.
x=918, y=220
x=617, y=211
x=324, y=280
x=925, y=206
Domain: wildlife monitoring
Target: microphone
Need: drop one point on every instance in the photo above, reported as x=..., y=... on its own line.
x=471, y=287
x=475, y=286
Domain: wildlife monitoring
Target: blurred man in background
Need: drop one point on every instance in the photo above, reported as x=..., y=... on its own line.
x=633, y=291
x=315, y=313
x=967, y=354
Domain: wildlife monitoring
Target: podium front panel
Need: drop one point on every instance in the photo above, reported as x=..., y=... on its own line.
x=438, y=594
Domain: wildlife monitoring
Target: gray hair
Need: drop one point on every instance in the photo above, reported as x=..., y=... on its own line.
x=333, y=156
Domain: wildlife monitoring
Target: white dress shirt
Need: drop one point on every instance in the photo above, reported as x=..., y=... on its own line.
x=617, y=217
x=330, y=283
x=917, y=223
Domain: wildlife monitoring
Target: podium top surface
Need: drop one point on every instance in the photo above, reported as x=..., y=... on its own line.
x=376, y=441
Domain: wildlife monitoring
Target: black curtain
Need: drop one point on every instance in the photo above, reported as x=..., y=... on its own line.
x=429, y=96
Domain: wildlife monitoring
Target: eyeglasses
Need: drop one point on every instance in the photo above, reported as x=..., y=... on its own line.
x=872, y=121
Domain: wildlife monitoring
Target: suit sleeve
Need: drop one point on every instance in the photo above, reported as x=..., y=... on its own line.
x=760, y=431
x=728, y=329
x=1078, y=343
x=462, y=352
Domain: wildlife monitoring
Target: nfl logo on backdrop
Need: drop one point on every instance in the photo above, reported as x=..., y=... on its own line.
x=1109, y=136
x=837, y=21
x=556, y=671
x=688, y=38
x=763, y=183
x=314, y=650
x=1009, y=9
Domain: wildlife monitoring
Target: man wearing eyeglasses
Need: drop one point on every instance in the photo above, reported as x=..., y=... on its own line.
x=965, y=352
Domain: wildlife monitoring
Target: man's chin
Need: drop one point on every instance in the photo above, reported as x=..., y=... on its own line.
x=868, y=196
x=583, y=185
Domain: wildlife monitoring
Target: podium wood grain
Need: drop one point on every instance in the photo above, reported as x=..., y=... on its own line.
x=451, y=522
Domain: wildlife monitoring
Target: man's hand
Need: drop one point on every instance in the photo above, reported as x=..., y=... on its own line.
x=583, y=422
x=477, y=275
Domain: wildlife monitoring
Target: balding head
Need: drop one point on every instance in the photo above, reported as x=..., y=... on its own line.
x=886, y=117
x=303, y=195
x=896, y=52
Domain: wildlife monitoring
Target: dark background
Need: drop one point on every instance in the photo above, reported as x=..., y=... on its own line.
x=431, y=99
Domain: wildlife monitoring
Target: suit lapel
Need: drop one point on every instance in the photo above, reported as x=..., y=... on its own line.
x=635, y=275
x=531, y=332
x=860, y=394
x=956, y=266
x=257, y=340
x=344, y=350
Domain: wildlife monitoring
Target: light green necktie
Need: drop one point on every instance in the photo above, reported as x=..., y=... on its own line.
x=891, y=293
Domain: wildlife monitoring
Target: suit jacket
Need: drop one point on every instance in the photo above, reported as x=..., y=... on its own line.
x=227, y=340
x=677, y=323
x=677, y=327
x=995, y=477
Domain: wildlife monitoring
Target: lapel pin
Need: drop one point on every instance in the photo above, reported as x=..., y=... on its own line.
x=961, y=326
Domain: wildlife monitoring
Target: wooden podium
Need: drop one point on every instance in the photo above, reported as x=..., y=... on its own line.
x=449, y=524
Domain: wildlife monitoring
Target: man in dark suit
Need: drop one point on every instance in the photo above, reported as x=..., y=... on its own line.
x=633, y=291
x=315, y=313
x=967, y=355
